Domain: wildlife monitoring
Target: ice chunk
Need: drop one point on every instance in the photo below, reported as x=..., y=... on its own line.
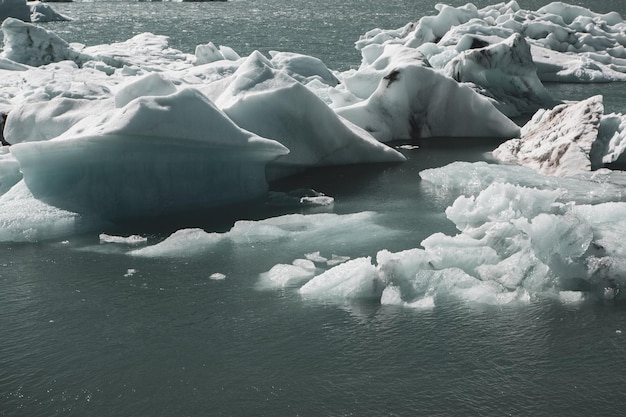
x=418, y=102
x=287, y=233
x=303, y=68
x=32, y=45
x=217, y=276
x=558, y=141
x=355, y=279
x=41, y=12
x=155, y=155
x=208, y=53
x=26, y=219
x=184, y=243
x=126, y=240
x=269, y=103
x=504, y=71
x=284, y=275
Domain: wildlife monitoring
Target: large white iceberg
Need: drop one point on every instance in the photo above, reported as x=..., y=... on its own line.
x=414, y=101
x=271, y=104
x=153, y=156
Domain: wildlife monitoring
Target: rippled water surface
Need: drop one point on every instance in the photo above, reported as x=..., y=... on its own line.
x=88, y=331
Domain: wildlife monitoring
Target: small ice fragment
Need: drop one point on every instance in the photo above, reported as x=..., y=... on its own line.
x=130, y=272
x=315, y=257
x=571, y=297
x=130, y=240
x=321, y=200
x=618, y=331
x=217, y=276
x=336, y=260
x=408, y=147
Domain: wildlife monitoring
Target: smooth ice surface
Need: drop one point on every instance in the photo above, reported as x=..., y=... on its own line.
x=291, y=231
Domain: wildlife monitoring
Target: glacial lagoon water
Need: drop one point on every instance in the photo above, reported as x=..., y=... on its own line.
x=86, y=330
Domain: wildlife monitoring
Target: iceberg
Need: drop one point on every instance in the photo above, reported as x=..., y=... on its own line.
x=41, y=12
x=568, y=43
x=558, y=141
x=414, y=102
x=505, y=72
x=32, y=45
x=153, y=156
x=567, y=140
x=272, y=104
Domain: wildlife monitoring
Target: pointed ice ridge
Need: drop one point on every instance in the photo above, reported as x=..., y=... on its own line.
x=506, y=72
x=270, y=103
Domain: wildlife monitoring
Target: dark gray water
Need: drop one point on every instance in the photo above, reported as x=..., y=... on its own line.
x=86, y=330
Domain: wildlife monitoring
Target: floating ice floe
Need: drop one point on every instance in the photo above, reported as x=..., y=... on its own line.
x=286, y=234
x=515, y=244
x=125, y=240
